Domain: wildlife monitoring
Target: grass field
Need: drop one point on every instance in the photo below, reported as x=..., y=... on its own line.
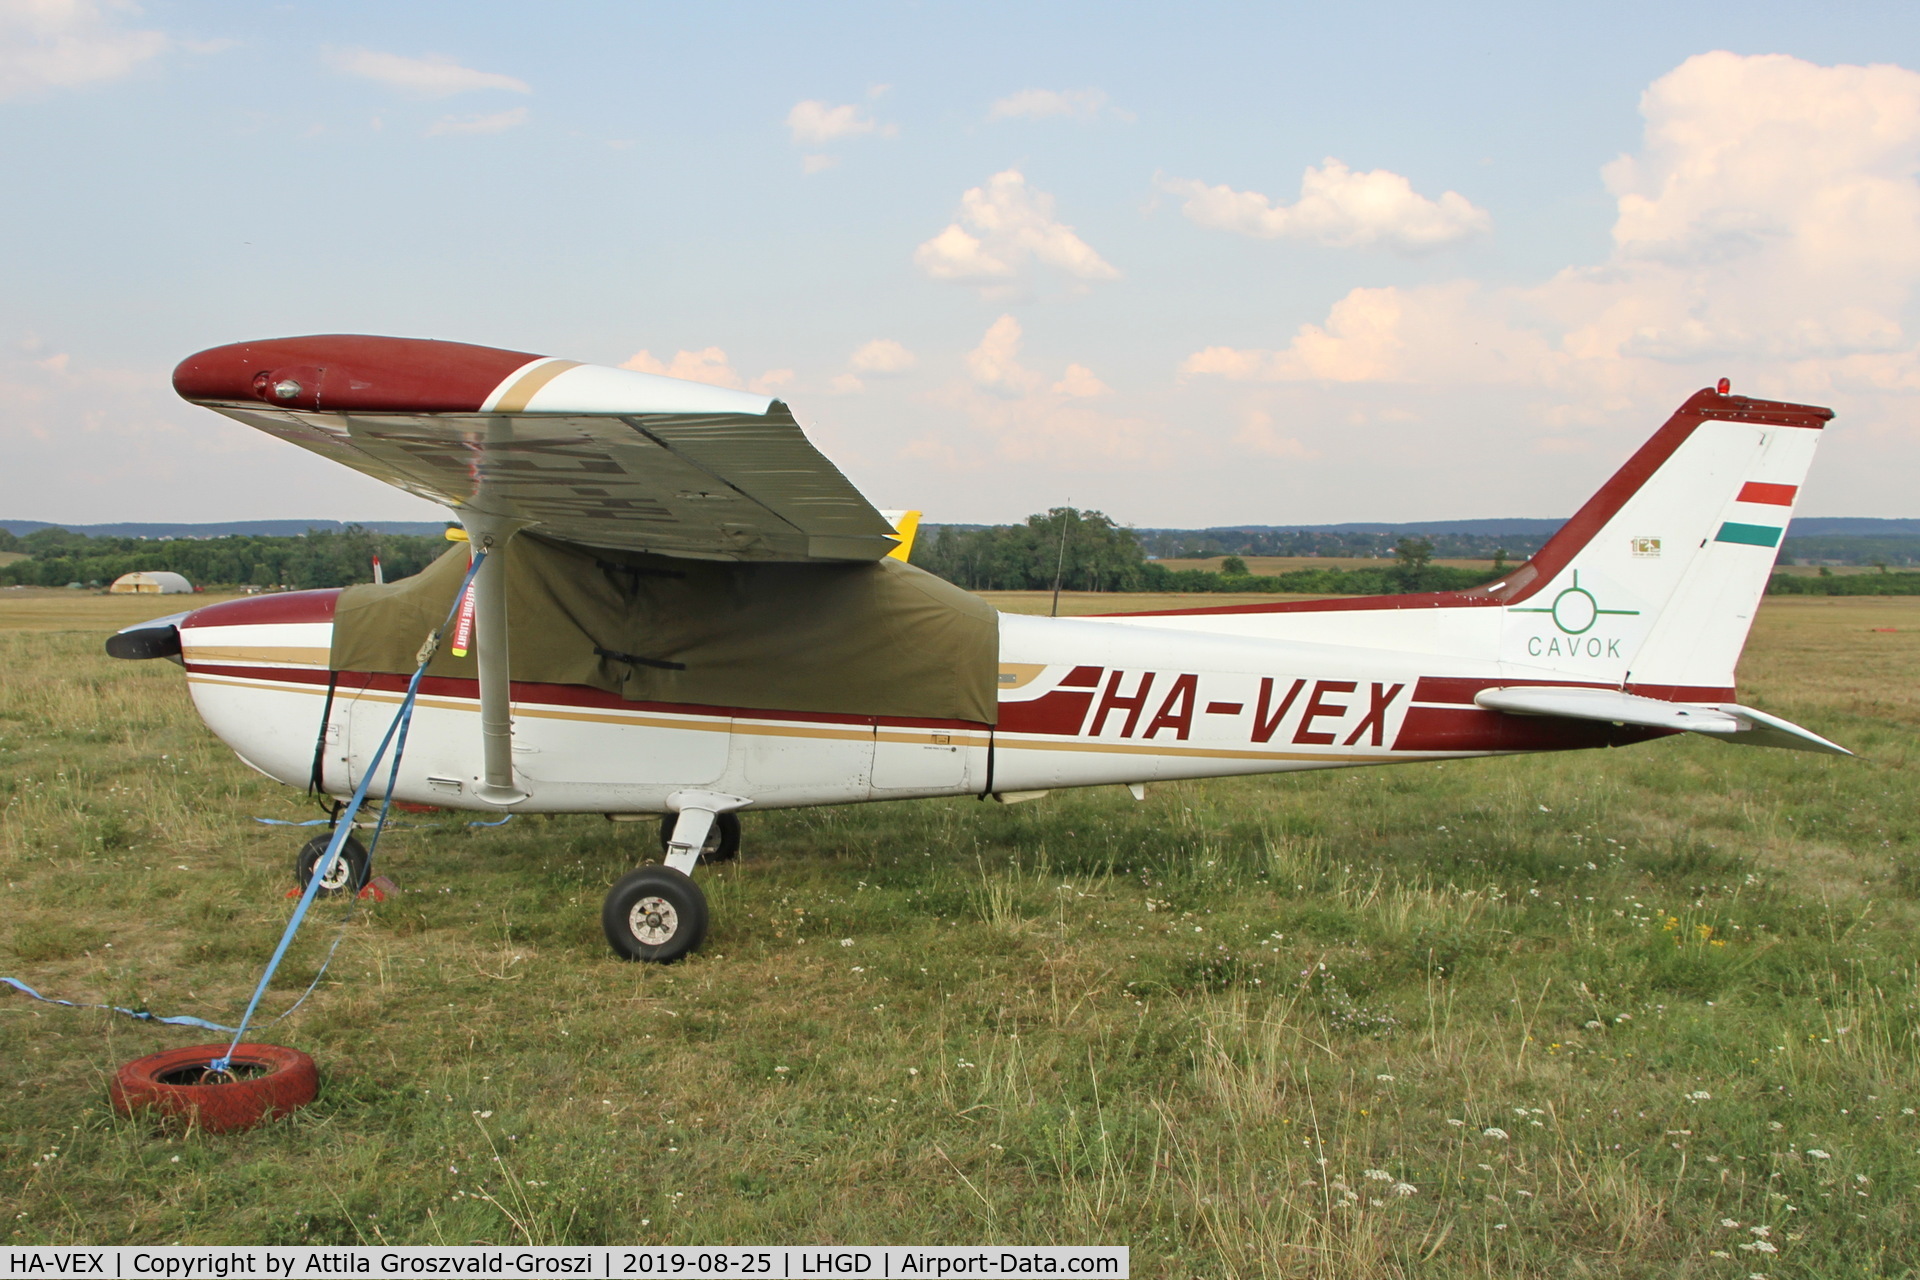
x=1651, y=1012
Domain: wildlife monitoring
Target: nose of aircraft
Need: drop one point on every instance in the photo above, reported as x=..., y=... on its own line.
x=158, y=638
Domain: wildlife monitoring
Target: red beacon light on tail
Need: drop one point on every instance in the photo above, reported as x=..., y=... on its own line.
x=1724, y=387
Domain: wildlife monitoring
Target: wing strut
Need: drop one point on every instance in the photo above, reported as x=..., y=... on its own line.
x=490, y=533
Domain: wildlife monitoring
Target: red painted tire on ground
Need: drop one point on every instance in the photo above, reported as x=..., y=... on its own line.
x=269, y=1082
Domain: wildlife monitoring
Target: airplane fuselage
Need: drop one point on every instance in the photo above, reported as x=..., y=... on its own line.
x=1082, y=702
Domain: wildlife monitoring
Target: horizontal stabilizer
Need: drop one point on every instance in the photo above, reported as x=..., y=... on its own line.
x=1727, y=721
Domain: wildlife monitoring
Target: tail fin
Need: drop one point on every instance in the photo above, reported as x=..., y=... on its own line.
x=1654, y=582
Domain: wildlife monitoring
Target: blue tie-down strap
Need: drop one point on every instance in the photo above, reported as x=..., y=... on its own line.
x=394, y=738
x=179, y=1020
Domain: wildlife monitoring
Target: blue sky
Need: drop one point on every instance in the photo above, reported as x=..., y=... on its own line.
x=1193, y=264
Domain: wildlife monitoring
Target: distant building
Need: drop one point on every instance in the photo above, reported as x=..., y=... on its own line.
x=155, y=582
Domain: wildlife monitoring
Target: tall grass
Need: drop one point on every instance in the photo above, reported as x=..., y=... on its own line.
x=1547, y=1016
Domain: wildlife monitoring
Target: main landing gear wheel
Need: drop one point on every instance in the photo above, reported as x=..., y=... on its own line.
x=723, y=837
x=655, y=914
x=348, y=874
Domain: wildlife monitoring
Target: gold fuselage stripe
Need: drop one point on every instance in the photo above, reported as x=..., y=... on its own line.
x=284, y=654
x=528, y=385
x=842, y=733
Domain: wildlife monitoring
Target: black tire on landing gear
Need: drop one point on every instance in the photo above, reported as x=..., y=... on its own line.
x=348, y=874
x=655, y=914
x=723, y=837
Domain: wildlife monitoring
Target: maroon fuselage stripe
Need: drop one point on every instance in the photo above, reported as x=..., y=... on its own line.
x=1473, y=729
x=278, y=609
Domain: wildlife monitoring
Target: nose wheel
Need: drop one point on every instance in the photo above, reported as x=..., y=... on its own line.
x=655, y=914
x=347, y=875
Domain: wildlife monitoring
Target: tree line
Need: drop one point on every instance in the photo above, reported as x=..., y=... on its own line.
x=319, y=558
x=1087, y=551
x=1084, y=550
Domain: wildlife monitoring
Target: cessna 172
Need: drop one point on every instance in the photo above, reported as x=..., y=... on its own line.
x=686, y=610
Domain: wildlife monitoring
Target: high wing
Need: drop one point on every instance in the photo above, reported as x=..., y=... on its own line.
x=584, y=453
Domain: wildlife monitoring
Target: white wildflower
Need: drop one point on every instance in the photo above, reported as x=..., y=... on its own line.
x=846, y=942
x=1818, y=1154
x=1594, y=1024
x=1404, y=1189
x=1378, y=1175
x=1457, y=1123
x=1384, y=1079
x=1700, y=1095
x=1494, y=1131
x=1728, y=1223
x=1762, y=1232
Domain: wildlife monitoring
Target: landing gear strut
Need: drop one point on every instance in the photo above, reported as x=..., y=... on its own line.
x=658, y=913
x=723, y=837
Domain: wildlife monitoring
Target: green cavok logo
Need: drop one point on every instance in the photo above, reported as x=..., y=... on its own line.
x=1575, y=609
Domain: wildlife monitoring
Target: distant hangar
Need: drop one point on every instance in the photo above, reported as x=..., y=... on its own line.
x=151, y=582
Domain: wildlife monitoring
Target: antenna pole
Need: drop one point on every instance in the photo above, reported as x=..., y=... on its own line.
x=1060, y=561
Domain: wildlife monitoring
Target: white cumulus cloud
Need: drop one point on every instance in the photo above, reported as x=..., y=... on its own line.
x=813, y=123
x=1003, y=227
x=1771, y=216
x=1338, y=208
x=432, y=76
x=59, y=44
x=1452, y=332
x=882, y=356
x=1767, y=229
x=709, y=365
x=1042, y=104
x=1080, y=382
x=1028, y=419
x=493, y=122
x=995, y=363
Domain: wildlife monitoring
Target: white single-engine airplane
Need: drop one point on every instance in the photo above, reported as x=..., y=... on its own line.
x=687, y=610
